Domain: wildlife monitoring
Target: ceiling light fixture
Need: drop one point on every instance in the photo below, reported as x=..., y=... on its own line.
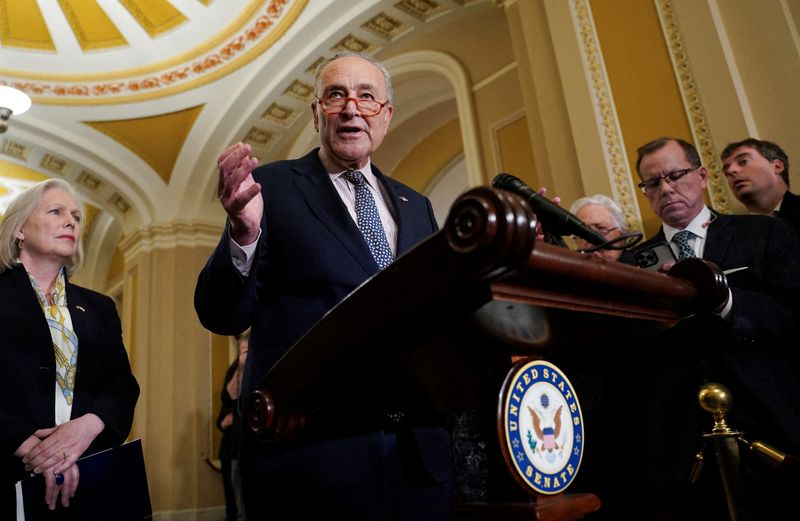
x=12, y=101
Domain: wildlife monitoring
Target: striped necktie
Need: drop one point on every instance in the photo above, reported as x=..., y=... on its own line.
x=369, y=222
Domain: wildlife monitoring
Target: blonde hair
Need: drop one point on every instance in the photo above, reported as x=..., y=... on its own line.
x=18, y=213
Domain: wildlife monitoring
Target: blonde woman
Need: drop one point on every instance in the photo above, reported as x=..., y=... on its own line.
x=66, y=387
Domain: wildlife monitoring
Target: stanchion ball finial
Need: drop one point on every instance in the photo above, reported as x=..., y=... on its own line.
x=716, y=399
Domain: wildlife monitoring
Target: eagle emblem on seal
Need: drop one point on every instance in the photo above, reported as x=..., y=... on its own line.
x=546, y=428
x=541, y=426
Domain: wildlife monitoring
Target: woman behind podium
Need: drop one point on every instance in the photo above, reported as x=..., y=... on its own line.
x=66, y=387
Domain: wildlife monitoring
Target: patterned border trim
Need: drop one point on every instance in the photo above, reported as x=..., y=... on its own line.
x=606, y=114
x=694, y=106
x=237, y=52
x=171, y=235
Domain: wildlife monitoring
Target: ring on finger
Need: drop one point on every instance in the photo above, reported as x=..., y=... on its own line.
x=63, y=453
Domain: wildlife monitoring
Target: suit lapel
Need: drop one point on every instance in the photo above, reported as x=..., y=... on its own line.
x=324, y=202
x=80, y=313
x=659, y=237
x=649, y=243
x=23, y=296
x=397, y=203
x=28, y=311
x=717, y=239
x=790, y=207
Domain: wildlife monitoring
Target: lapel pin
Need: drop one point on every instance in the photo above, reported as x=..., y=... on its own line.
x=81, y=308
x=403, y=199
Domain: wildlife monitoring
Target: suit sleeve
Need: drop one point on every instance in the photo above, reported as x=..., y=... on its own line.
x=14, y=431
x=431, y=216
x=112, y=387
x=768, y=311
x=26, y=363
x=223, y=297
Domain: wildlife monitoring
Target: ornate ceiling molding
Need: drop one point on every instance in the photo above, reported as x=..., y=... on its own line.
x=168, y=236
x=193, y=69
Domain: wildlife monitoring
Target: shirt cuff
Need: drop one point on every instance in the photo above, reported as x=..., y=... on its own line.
x=242, y=256
x=726, y=311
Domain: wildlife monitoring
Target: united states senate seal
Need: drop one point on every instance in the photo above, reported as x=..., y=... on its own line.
x=540, y=427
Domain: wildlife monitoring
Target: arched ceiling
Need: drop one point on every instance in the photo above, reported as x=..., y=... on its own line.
x=134, y=99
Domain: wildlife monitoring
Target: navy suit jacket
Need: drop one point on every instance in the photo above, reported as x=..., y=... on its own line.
x=104, y=384
x=754, y=353
x=790, y=210
x=310, y=256
x=766, y=293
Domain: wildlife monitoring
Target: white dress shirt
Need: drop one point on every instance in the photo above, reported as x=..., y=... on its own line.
x=242, y=255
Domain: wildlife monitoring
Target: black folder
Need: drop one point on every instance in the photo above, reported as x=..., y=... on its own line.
x=112, y=487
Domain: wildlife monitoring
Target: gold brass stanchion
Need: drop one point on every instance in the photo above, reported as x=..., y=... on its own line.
x=717, y=400
x=769, y=453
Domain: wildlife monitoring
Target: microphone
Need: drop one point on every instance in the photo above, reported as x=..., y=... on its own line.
x=554, y=218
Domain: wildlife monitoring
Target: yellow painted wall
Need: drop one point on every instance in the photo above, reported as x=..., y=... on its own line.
x=514, y=150
x=643, y=83
x=429, y=157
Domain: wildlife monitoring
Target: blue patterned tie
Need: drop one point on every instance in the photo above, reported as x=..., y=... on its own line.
x=368, y=220
x=681, y=239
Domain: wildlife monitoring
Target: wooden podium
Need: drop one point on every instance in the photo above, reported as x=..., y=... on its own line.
x=484, y=275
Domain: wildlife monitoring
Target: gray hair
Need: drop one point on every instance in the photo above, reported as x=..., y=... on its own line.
x=18, y=213
x=387, y=79
x=602, y=200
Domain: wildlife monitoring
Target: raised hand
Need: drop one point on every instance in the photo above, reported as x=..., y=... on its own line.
x=539, y=230
x=237, y=191
x=543, y=191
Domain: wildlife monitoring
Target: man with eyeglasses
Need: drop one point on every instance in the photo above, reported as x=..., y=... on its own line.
x=748, y=342
x=757, y=172
x=301, y=235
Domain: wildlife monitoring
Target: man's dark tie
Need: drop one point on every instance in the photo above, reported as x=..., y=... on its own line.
x=369, y=222
x=681, y=239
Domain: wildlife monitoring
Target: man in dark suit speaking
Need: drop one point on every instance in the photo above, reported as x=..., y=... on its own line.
x=301, y=235
x=748, y=343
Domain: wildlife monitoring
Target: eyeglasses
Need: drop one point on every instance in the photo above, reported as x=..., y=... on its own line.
x=651, y=185
x=602, y=230
x=366, y=107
